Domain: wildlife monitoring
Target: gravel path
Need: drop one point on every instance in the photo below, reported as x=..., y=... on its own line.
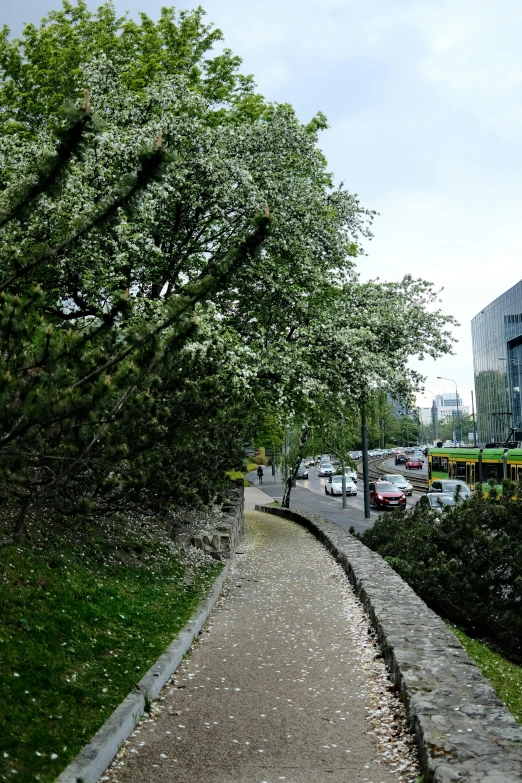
x=284, y=684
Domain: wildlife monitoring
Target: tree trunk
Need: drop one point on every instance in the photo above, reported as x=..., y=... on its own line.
x=285, y=503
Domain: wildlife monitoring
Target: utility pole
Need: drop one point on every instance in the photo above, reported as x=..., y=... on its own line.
x=343, y=480
x=366, y=487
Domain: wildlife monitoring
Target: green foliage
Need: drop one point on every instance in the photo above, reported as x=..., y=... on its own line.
x=83, y=617
x=153, y=324
x=466, y=563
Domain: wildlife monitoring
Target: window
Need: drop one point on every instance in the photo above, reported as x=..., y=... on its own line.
x=460, y=471
x=492, y=471
x=440, y=464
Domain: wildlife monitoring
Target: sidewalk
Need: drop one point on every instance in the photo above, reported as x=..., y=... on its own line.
x=255, y=496
x=284, y=684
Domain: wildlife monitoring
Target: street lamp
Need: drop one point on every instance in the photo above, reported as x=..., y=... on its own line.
x=440, y=378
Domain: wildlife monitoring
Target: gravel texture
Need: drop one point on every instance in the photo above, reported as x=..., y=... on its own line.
x=285, y=684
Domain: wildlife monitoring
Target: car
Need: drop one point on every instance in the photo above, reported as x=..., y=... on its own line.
x=384, y=494
x=400, y=481
x=400, y=458
x=413, y=463
x=325, y=469
x=302, y=471
x=437, y=501
x=451, y=487
x=335, y=486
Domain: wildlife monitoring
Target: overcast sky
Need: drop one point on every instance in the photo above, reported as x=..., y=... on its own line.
x=423, y=100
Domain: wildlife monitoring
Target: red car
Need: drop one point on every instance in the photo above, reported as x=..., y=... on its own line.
x=413, y=463
x=384, y=494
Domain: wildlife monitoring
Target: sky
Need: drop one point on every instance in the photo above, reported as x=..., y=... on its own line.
x=425, y=112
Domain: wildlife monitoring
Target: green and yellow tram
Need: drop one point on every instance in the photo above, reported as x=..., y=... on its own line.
x=475, y=466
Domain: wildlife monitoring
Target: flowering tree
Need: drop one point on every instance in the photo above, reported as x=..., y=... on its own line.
x=151, y=321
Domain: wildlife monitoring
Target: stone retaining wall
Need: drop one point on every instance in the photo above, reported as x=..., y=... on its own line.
x=222, y=543
x=463, y=731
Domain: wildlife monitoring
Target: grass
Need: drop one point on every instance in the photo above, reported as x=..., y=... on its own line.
x=505, y=676
x=83, y=618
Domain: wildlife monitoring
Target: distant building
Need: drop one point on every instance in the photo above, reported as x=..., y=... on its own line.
x=447, y=406
x=497, y=359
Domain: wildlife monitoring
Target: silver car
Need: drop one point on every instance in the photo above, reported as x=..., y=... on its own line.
x=400, y=481
x=451, y=487
x=325, y=469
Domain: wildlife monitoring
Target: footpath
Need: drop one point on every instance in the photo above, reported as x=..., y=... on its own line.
x=284, y=684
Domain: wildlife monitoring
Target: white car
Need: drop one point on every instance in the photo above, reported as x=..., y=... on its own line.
x=401, y=482
x=335, y=486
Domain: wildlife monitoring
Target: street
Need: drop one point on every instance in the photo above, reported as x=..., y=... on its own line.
x=309, y=495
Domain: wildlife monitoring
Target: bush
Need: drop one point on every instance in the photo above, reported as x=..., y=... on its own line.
x=465, y=563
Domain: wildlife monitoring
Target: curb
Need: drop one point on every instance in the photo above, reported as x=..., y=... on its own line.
x=95, y=757
x=462, y=729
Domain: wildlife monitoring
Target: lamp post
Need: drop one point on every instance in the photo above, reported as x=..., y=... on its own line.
x=440, y=378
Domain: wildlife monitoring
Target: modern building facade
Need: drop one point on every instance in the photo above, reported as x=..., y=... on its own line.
x=497, y=359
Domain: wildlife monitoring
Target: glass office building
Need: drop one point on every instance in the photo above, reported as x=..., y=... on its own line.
x=497, y=358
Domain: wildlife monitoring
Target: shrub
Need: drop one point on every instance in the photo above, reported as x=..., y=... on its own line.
x=466, y=563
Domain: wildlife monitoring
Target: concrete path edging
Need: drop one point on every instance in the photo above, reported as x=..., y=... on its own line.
x=463, y=731
x=95, y=757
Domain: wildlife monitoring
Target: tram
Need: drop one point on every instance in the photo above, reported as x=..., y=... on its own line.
x=475, y=466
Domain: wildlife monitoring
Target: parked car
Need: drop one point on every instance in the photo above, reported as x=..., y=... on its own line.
x=401, y=482
x=450, y=486
x=439, y=501
x=302, y=471
x=413, y=463
x=400, y=458
x=335, y=486
x=325, y=469
x=384, y=494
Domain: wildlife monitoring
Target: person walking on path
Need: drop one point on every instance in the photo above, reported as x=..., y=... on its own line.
x=260, y=473
x=284, y=684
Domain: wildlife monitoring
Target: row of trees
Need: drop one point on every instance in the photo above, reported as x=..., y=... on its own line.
x=174, y=257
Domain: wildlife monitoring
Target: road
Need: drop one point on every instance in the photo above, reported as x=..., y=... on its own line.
x=309, y=496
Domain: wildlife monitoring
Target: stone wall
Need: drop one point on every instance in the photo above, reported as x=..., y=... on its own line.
x=463, y=731
x=223, y=541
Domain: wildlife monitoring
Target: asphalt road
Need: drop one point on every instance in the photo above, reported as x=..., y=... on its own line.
x=309, y=496
x=392, y=468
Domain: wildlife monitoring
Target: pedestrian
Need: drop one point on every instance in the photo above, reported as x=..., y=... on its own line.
x=260, y=473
